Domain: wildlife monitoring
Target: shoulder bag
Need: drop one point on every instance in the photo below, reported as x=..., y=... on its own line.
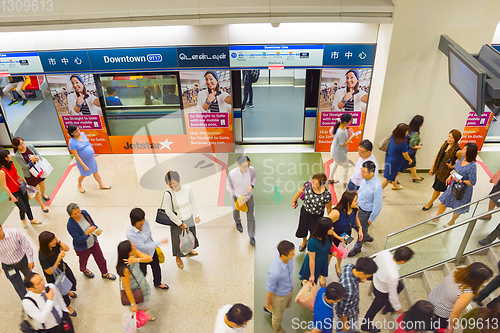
x=161, y=215
x=22, y=184
x=383, y=145
x=138, y=295
x=61, y=281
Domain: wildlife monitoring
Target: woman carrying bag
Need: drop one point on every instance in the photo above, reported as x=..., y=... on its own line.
x=26, y=153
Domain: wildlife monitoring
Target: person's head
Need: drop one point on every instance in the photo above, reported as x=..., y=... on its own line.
x=403, y=254
x=286, y=249
x=34, y=282
x=47, y=240
x=147, y=96
x=345, y=119
x=18, y=143
x=349, y=200
x=78, y=85
x=74, y=211
x=335, y=84
x=137, y=218
x=416, y=123
x=351, y=80
x=399, y=133
x=212, y=81
x=365, y=148
x=470, y=151
x=368, y=170
x=318, y=180
x=334, y=292
x=73, y=130
x=487, y=315
x=323, y=229
x=454, y=136
x=239, y=315
x=173, y=180
x=5, y=159
x=472, y=276
x=419, y=316
x=110, y=91
x=364, y=268
x=243, y=163
x=125, y=249
x=171, y=89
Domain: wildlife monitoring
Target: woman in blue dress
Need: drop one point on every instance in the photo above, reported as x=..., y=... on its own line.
x=81, y=148
x=466, y=168
x=315, y=265
x=395, y=157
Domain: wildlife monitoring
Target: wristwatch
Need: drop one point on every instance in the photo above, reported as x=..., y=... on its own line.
x=79, y=105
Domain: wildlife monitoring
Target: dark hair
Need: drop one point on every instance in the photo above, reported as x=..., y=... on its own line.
x=284, y=247
x=369, y=165
x=321, y=230
x=344, y=118
x=346, y=201
x=171, y=89
x=71, y=129
x=147, y=97
x=403, y=253
x=356, y=86
x=136, y=215
x=239, y=314
x=472, y=276
x=321, y=177
x=367, y=144
x=242, y=159
x=471, y=153
x=27, y=280
x=487, y=315
x=418, y=317
x=79, y=78
x=44, y=239
x=124, y=249
x=335, y=291
x=416, y=123
x=110, y=90
x=172, y=175
x=366, y=266
x=399, y=133
x=217, y=87
x=16, y=142
x=3, y=159
x=456, y=135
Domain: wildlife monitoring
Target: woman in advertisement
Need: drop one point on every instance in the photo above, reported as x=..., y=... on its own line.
x=213, y=99
x=82, y=103
x=352, y=97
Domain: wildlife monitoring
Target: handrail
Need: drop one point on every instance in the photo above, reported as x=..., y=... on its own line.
x=439, y=216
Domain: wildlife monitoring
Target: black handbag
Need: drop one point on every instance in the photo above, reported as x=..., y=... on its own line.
x=458, y=190
x=161, y=215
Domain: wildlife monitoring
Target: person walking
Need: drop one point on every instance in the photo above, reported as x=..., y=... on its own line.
x=240, y=183
x=323, y=313
x=249, y=77
x=395, y=157
x=316, y=198
x=16, y=256
x=84, y=232
x=232, y=318
x=280, y=284
x=443, y=165
x=180, y=206
x=494, y=201
x=418, y=319
x=50, y=255
x=350, y=278
x=12, y=185
x=26, y=153
x=139, y=233
x=84, y=154
x=486, y=291
x=465, y=173
x=413, y=141
x=339, y=147
x=369, y=204
x=365, y=149
x=386, y=285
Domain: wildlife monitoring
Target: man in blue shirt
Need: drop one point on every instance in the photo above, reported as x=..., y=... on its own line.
x=111, y=99
x=323, y=307
x=369, y=203
x=280, y=284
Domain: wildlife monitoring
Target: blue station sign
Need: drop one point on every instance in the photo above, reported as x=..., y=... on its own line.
x=133, y=59
x=74, y=61
x=203, y=57
x=349, y=55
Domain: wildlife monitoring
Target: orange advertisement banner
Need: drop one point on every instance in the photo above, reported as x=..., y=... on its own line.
x=94, y=129
x=148, y=144
x=210, y=132
x=328, y=119
x=476, y=128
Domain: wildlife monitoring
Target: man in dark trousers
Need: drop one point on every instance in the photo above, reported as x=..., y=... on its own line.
x=249, y=77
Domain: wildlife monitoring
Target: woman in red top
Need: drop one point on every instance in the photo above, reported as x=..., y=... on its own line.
x=418, y=319
x=10, y=182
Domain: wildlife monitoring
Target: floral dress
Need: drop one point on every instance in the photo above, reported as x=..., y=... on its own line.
x=469, y=172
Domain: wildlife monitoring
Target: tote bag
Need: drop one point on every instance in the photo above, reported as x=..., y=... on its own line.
x=62, y=282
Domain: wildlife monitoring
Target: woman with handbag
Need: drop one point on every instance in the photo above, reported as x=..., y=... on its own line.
x=15, y=187
x=462, y=180
x=134, y=289
x=397, y=153
x=51, y=254
x=180, y=206
x=26, y=153
x=443, y=165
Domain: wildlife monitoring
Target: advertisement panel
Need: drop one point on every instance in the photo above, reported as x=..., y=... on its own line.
x=342, y=90
x=250, y=56
x=76, y=101
x=148, y=144
x=476, y=128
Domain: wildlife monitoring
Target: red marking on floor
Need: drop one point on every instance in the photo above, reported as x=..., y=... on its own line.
x=223, y=175
x=485, y=168
x=331, y=187
x=59, y=184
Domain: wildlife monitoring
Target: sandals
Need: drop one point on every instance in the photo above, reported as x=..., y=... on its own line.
x=36, y=223
x=88, y=274
x=105, y=188
x=397, y=188
x=192, y=253
x=46, y=198
x=108, y=276
x=163, y=286
x=301, y=248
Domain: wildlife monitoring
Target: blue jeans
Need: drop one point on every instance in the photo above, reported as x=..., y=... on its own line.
x=352, y=187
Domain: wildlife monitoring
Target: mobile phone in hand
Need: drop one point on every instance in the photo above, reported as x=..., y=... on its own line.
x=348, y=239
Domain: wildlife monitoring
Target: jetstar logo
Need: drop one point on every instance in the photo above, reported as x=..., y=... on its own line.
x=148, y=145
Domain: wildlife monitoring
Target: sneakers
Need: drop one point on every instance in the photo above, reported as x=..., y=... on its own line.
x=353, y=253
x=13, y=102
x=25, y=101
x=250, y=105
x=243, y=108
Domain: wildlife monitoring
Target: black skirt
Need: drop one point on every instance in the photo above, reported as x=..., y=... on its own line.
x=307, y=223
x=439, y=185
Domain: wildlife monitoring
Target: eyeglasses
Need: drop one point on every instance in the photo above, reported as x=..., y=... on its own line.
x=362, y=151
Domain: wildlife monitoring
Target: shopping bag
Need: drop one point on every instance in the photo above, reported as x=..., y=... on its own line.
x=340, y=252
x=46, y=166
x=383, y=145
x=129, y=322
x=161, y=256
x=32, y=191
x=242, y=208
x=307, y=295
x=141, y=318
x=36, y=170
x=186, y=244
x=62, y=282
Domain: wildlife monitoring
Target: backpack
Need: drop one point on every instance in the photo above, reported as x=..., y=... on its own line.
x=254, y=76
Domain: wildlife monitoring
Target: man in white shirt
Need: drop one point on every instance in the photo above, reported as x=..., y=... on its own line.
x=365, y=154
x=240, y=182
x=44, y=303
x=232, y=318
x=386, y=286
